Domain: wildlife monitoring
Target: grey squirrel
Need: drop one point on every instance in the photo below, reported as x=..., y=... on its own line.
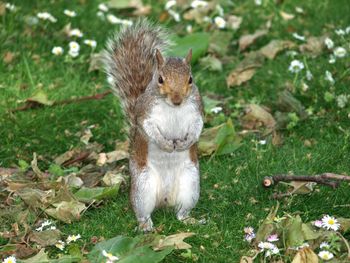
x=164, y=109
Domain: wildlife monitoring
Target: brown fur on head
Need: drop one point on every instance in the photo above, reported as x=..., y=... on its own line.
x=174, y=77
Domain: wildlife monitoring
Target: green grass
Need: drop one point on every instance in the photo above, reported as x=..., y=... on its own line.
x=227, y=206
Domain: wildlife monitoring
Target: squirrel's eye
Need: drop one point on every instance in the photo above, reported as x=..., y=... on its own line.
x=190, y=80
x=160, y=80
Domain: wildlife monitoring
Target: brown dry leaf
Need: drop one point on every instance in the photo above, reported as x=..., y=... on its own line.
x=305, y=255
x=301, y=187
x=24, y=251
x=175, y=240
x=113, y=178
x=256, y=117
x=66, y=211
x=199, y=14
x=286, y=16
x=246, y=259
x=234, y=22
x=275, y=46
x=45, y=238
x=8, y=57
x=143, y=10
x=96, y=62
x=246, y=40
x=35, y=197
x=245, y=70
x=36, y=169
x=67, y=156
x=66, y=29
x=313, y=45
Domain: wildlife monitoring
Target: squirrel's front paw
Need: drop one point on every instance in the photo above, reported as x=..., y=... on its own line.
x=181, y=145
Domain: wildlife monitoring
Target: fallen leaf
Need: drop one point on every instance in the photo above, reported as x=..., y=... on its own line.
x=2, y=9
x=313, y=45
x=211, y=63
x=40, y=97
x=234, y=22
x=96, y=62
x=219, y=42
x=245, y=70
x=275, y=46
x=87, y=135
x=294, y=235
x=88, y=195
x=113, y=178
x=24, y=251
x=246, y=259
x=175, y=240
x=267, y=227
x=305, y=255
x=45, y=238
x=256, y=117
x=66, y=211
x=286, y=16
x=35, y=198
x=288, y=103
x=301, y=187
x=8, y=57
x=40, y=257
x=117, y=155
x=36, y=170
x=247, y=40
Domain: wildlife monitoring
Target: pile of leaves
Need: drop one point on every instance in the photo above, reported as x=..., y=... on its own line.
x=288, y=239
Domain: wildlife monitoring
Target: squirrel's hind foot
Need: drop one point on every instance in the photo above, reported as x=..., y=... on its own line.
x=146, y=225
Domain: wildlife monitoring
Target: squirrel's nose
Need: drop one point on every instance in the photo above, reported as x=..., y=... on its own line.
x=176, y=99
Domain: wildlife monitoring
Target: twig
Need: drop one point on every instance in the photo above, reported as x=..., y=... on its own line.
x=345, y=242
x=82, y=156
x=33, y=104
x=329, y=179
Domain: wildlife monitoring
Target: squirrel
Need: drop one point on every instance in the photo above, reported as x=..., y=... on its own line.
x=164, y=109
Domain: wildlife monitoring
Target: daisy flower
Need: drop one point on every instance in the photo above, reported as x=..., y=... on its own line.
x=272, y=251
x=272, y=238
x=347, y=30
x=258, y=2
x=331, y=59
x=175, y=15
x=10, y=259
x=299, y=37
x=249, y=234
x=220, y=22
x=10, y=7
x=169, y=4
x=103, y=7
x=90, y=42
x=304, y=87
x=325, y=255
x=216, y=110
x=115, y=20
x=339, y=52
x=324, y=245
x=265, y=245
x=329, y=77
x=111, y=258
x=74, y=46
x=296, y=66
x=70, y=13
x=198, y=4
x=189, y=28
x=60, y=245
x=342, y=100
x=46, y=16
x=318, y=223
x=309, y=75
x=329, y=43
x=75, y=33
x=330, y=222
x=340, y=32
x=73, y=238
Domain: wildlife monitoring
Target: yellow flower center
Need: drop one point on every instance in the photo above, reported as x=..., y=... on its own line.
x=331, y=222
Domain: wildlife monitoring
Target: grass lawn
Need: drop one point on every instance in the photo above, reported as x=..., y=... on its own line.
x=231, y=193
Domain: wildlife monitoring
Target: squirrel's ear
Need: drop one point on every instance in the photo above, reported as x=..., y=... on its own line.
x=159, y=57
x=189, y=57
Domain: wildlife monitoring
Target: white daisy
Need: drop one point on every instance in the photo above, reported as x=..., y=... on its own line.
x=216, y=110
x=299, y=37
x=115, y=20
x=248, y=230
x=175, y=15
x=272, y=251
x=329, y=43
x=342, y=100
x=324, y=245
x=265, y=245
x=169, y=4
x=329, y=77
x=309, y=75
x=339, y=52
x=330, y=222
x=220, y=22
x=325, y=255
x=347, y=30
x=258, y=2
x=60, y=245
x=103, y=7
x=74, y=46
x=72, y=238
x=75, y=33
x=296, y=66
x=304, y=87
x=318, y=223
x=90, y=42
x=46, y=16
x=189, y=29
x=109, y=256
x=70, y=13
x=340, y=32
x=100, y=14
x=198, y=4
x=263, y=142
x=46, y=223
x=331, y=59
x=10, y=259
x=10, y=7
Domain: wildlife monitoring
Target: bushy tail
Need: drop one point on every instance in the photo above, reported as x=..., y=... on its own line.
x=130, y=61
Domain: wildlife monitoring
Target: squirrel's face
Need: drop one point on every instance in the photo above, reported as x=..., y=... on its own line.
x=174, y=78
